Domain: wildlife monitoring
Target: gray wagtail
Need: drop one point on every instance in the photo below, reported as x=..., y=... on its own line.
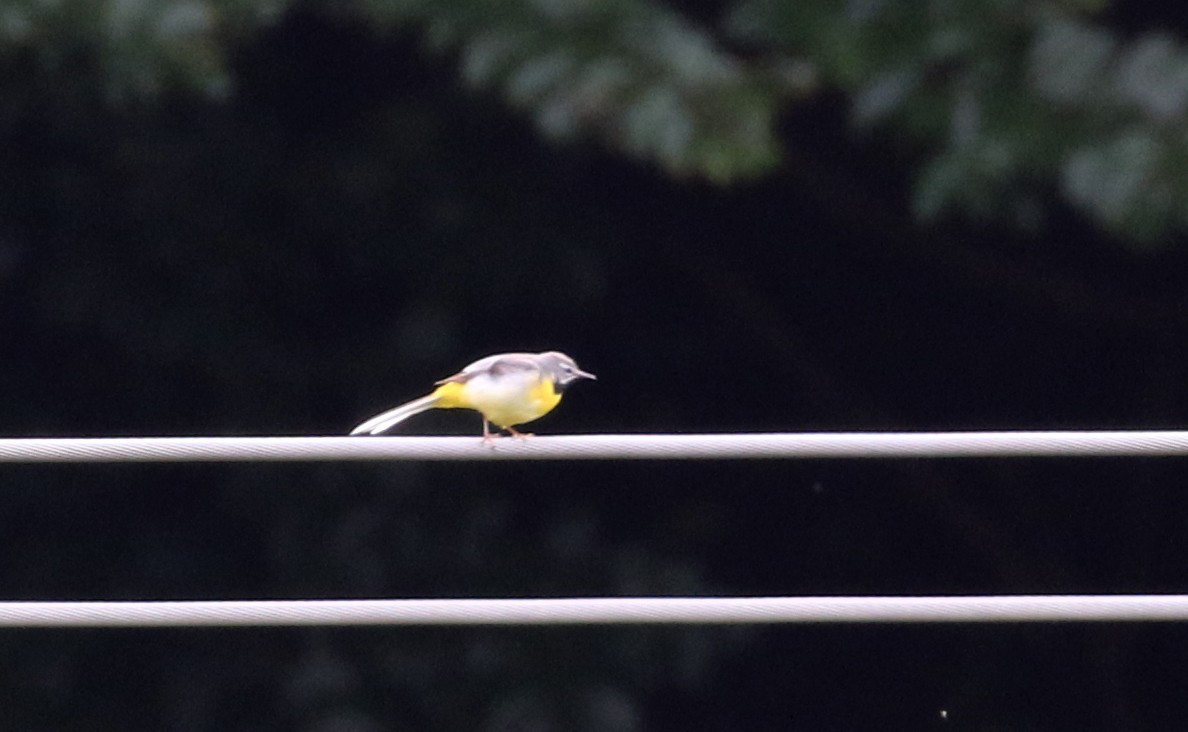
x=506, y=389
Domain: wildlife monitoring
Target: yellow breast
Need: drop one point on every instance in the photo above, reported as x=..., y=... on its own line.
x=506, y=401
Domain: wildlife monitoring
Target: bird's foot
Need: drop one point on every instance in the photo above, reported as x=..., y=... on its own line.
x=488, y=438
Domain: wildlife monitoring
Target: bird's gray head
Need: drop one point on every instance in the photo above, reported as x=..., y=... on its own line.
x=562, y=368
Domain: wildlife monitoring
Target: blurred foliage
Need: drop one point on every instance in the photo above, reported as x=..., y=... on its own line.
x=630, y=72
x=1011, y=100
x=1008, y=103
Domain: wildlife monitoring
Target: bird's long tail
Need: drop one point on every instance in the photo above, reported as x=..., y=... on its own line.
x=386, y=420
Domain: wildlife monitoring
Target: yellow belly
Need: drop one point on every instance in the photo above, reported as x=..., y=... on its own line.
x=506, y=402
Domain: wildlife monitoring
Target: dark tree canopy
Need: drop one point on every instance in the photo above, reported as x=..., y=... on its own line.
x=1004, y=106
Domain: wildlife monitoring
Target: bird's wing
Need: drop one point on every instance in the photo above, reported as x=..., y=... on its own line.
x=504, y=363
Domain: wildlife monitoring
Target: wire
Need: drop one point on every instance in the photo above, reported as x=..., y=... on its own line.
x=599, y=610
x=618, y=610
x=599, y=447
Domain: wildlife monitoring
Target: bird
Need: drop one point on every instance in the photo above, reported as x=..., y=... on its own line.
x=507, y=389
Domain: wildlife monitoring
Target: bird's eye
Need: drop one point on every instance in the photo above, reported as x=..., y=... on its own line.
x=567, y=368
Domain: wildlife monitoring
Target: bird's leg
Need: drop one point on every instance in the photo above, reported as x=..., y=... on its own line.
x=487, y=437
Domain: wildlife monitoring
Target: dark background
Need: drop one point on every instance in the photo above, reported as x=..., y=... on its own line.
x=351, y=224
